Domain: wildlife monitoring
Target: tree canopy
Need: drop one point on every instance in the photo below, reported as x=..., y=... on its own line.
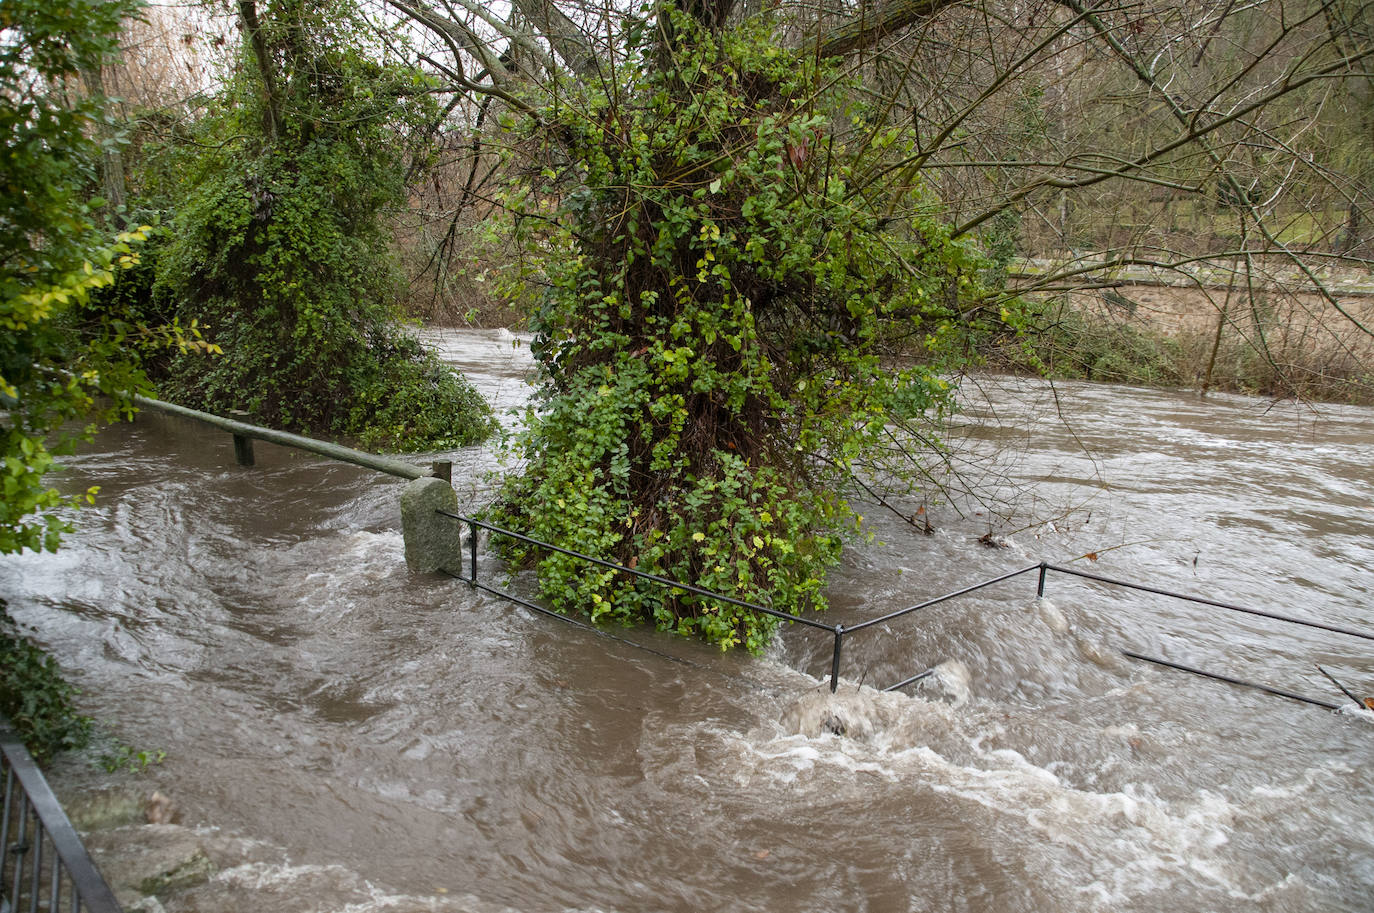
x=56, y=358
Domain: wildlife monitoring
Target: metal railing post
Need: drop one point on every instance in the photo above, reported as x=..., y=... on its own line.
x=37, y=876
x=243, y=450
x=472, y=551
x=835, y=659
x=1040, y=587
x=5, y=825
x=18, y=850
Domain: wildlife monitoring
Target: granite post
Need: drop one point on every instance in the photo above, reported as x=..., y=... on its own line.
x=433, y=542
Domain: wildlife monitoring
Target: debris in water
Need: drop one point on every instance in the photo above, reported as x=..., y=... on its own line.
x=161, y=810
x=1367, y=702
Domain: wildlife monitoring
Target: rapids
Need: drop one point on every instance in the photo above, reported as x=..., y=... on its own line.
x=406, y=735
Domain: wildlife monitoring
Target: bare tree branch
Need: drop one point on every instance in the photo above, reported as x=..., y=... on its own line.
x=862, y=32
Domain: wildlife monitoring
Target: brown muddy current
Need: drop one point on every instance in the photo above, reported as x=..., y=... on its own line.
x=402, y=732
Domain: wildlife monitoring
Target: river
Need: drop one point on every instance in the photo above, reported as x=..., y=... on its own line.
x=448, y=750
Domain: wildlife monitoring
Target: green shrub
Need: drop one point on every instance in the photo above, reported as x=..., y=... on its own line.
x=717, y=283
x=35, y=698
x=278, y=249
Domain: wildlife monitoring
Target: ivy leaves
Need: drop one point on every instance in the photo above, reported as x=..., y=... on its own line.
x=282, y=251
x=716, y=294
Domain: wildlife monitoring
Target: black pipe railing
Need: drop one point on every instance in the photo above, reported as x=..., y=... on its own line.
x=475, y=524
x=839, y=631
x=1288, y=619
x=939, y=599
x=1231, y=680
x=44, y=866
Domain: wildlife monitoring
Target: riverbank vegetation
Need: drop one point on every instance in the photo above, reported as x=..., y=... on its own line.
x=273, y=199
x=1247, y=352
x=754, y=243
x=35, y=698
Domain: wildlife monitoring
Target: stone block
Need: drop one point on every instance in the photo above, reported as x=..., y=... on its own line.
x=432, y=542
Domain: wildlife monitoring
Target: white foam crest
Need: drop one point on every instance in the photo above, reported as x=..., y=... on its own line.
x=346, y=566
x=381, y=902
x=1151, y=842
x=358, y=894
x=1050, y=614
x=1362, y=714
x=263, y=876
x=1311, y=778
x=956, y=681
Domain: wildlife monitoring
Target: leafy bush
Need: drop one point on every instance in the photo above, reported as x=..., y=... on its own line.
x=34, y=696
x=717, y=281
x=278, y=248
x=64, y=364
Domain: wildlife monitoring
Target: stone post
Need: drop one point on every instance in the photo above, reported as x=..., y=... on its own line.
x=433, y=542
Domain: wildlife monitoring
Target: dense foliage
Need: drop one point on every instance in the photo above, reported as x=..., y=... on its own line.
x=34, y=697
x=56, y=358
x=720, y=282
x=279, y=249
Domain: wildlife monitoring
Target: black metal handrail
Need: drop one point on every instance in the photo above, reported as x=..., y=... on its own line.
x=44, y=859
x=939, y=599
x=840, y=631
x=474, y=523
x=1200, y=600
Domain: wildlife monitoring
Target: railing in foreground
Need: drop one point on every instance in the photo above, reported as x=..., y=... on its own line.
x=840, y=632
x=44, y=866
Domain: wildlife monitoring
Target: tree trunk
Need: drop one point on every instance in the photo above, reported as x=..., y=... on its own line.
x=271, y=109
x=112, y=160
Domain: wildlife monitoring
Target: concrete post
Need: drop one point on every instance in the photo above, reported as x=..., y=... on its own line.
x=433, y=542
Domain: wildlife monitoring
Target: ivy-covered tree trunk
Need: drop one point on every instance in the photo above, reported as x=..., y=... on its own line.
x=717, y=298
x=279, y=247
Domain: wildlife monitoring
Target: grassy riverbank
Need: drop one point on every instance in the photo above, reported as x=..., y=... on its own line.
x=1170, y=337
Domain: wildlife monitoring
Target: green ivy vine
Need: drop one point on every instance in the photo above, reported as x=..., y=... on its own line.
x=721, y=268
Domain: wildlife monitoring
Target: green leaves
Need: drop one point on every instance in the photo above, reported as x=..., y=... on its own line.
x=281, y=252
x=35, y=698
x=714, y=305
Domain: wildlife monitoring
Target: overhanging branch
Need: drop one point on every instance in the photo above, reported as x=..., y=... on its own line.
x=864, y=32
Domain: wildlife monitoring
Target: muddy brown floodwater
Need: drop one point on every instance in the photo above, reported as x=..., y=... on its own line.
x=403, y=733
